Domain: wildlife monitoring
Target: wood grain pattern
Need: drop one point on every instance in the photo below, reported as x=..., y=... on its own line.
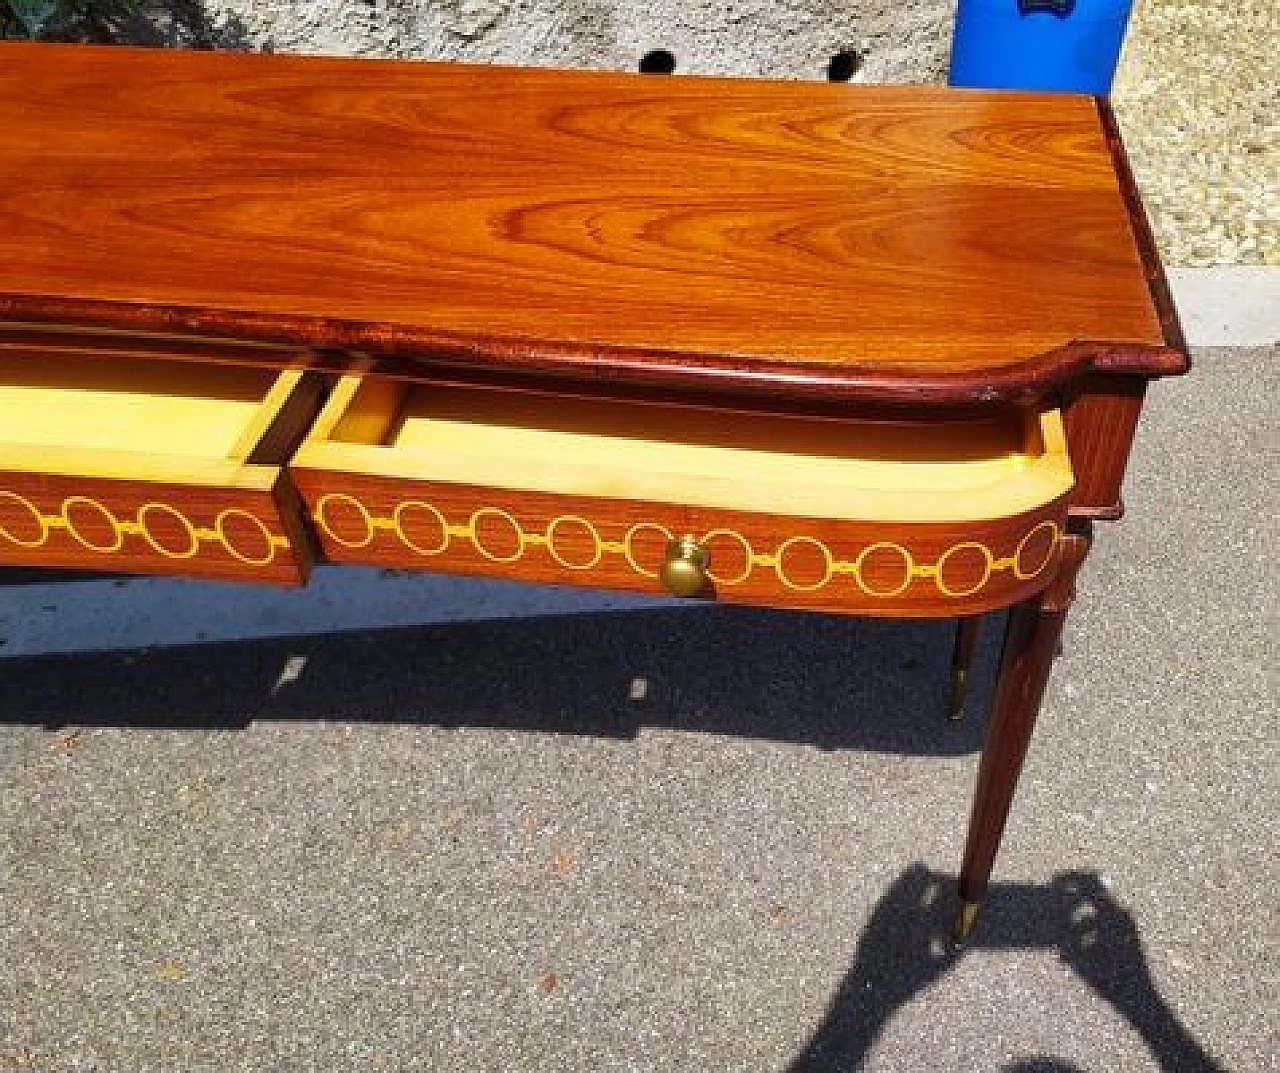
x=1101, y=418
x=1157, y=284
x=1031, y=638
x=133, y=527
x=866, y=568
x=1102, y=411
x=145, y=466
x=718, y=232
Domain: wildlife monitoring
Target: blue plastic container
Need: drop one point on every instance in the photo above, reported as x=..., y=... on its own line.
x=1067, y=45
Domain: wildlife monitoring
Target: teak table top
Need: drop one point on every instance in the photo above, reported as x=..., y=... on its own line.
x=746, y=230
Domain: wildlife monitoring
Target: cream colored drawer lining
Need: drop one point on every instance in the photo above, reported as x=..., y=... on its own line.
x=805, y=466
x=138, y=419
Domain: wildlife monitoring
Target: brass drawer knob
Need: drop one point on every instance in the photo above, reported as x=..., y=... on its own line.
x=684, y=572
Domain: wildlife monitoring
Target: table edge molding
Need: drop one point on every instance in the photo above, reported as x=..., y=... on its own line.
x=414, y=353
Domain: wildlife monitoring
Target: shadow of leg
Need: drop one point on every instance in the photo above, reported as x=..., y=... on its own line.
x=903, y=949
x=1100, y=942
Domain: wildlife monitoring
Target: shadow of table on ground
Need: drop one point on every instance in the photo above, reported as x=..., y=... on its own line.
x=837, y=683
x=821, y=680
x=905, y=948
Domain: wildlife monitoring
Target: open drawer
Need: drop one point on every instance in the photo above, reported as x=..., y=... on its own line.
x=150, y=465
x=868, y=516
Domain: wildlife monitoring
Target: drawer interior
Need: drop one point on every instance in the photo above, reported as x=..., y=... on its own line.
x=140, y=456
x=137, y=418
x=539, y=440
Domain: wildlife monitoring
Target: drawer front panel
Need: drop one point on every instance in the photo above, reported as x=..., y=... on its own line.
x=925, y=569
x=151, y=528
x=872, y=568
x=466, y=529
x=120, y=457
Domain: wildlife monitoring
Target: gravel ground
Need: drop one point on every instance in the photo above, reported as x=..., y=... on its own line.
x=685, y=839
x=1197, y=96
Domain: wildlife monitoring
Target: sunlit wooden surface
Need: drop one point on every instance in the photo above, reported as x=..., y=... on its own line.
x=762, y=222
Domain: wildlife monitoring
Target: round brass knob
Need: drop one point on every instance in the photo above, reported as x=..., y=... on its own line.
x=684, y=572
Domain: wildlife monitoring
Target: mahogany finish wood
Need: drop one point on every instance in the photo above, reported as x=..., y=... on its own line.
x=68, y=339
x=1149, y=253
x=144, y=527
x=570, y=540
x=962, y=653
x=126, y=503
x=1031, y=639
x=1101, y=417
x=1102, y=410
x=921, y=244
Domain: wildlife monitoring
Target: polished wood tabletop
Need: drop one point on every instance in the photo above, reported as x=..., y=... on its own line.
x=558, y=216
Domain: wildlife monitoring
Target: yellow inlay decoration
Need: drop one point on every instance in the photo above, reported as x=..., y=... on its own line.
x=641, y=527
x=437, y=518
x=268, y=541
x=337, y=498
x=908, y=568
x=781, y=561
x=78, y=516
x=573, y=519
x=493, y=512
x=748, y=557
x=1020, y=571
x=192, y=535
x=41, y=521
x=780, y=569
x=940, y=578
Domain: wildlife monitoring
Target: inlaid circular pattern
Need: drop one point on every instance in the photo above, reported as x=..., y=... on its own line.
x=164, y=529
x=882, y=569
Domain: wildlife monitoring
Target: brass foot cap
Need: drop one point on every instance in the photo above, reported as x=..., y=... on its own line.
x=966, y=917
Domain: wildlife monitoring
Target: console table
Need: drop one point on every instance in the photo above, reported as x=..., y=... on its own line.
x=868, y=350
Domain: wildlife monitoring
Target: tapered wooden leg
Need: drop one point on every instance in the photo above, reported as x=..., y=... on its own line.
x=961, y=663
x=1030, y=640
